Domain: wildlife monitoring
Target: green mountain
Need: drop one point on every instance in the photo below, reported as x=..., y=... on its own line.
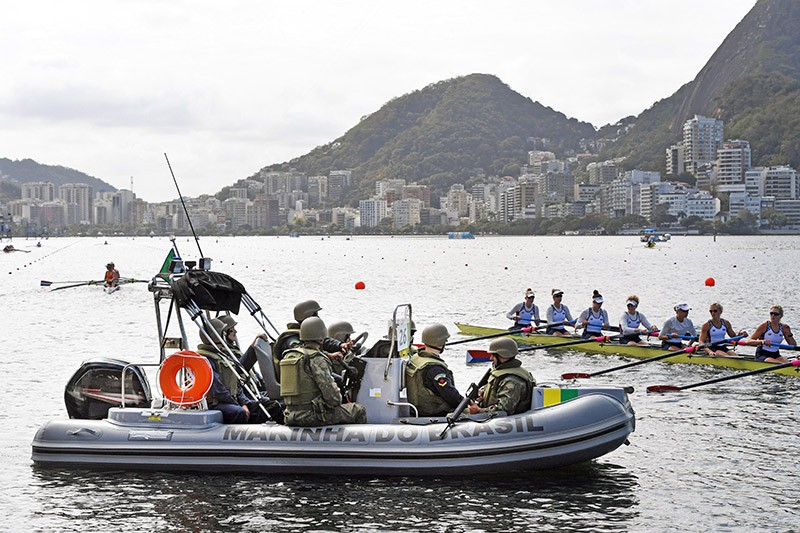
x=749, y=82
x=444, y=134
x=14, y=173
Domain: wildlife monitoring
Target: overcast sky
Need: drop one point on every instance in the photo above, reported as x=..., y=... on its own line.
x=227, y=87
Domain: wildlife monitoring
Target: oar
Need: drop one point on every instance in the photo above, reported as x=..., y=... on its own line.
x=78, y=285
x=45, y=283
x=671, y=388
x=604, y=338
x=131, y=280
x=493, y=335
x=776, y=345
x=690, y=349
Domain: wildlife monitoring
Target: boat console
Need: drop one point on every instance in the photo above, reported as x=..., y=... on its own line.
x=98, y=385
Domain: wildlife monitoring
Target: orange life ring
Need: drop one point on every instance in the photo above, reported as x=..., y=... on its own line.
x=176, y=367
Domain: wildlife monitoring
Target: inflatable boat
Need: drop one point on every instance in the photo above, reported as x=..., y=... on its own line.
x=115, y=423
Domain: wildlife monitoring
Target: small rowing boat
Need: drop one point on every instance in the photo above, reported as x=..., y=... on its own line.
x=737, y=362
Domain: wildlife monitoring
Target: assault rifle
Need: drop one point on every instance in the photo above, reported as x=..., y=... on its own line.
x=471, y=394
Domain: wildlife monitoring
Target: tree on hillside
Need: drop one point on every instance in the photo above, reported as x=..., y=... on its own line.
x=774, y=219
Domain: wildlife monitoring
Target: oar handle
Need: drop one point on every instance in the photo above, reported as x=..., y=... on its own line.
x=491, y=336
x=776, y=345
x=601, y=338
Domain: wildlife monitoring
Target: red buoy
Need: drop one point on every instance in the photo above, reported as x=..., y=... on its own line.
x=360, y=286
x=710, y=282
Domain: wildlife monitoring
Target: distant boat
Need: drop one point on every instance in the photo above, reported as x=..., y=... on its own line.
x=460, y=235
x=652, y=234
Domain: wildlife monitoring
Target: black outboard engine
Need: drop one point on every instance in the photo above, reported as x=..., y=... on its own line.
x=97, y=386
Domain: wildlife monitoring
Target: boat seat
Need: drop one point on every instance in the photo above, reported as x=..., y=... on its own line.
x=379, y=350
x=376, y=392
x=267, y=368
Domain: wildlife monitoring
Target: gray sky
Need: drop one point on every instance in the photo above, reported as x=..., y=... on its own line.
x=227, y=87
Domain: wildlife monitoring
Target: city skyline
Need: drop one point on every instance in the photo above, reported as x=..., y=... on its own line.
x=108, y=87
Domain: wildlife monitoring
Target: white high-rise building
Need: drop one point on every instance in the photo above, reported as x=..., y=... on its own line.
x=781, y=182
x=79, y=199
x=675, y=160
x=121, y=202
x=702, y=137
x=371, y=212
x=733, y=162
x=406, y=212
x=38, y=190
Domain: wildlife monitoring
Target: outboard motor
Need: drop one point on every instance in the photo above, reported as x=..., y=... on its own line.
x=97, y=386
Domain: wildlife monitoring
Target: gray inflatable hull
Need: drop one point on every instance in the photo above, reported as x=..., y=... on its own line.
x=575, y=431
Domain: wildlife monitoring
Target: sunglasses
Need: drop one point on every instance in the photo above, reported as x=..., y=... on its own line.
x=713, y=310
x=774, y=313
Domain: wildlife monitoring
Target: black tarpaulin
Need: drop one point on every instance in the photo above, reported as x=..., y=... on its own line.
x=211, y=291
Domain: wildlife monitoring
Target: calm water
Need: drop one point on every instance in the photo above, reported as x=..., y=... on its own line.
x=718, y=458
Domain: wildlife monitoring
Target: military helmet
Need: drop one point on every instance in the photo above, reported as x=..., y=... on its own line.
x=228, y=320
x=305, y=310
x=313, y=329
x=218, y=326
x=505, y=348
x=340, y=330
x=435, y=335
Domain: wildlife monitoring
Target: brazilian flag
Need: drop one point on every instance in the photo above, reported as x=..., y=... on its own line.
x=167, y=262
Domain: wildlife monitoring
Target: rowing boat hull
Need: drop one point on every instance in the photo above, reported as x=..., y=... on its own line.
x=638, y=352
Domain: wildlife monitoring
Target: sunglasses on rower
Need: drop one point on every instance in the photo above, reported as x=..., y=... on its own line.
x=775, y=313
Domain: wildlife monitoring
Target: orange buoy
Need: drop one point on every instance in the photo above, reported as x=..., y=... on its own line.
x=185, y=378
x=710, y=282
x=360, y=285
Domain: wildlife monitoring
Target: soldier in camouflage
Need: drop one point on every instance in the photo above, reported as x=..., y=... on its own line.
x=429, y=382
x=291, y=337
x=509, y=387
x=307, y=386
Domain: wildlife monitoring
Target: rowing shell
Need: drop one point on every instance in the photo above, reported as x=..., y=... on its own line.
x=739, y=362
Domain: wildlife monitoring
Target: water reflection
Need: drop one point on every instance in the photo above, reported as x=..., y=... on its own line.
x=549, y=501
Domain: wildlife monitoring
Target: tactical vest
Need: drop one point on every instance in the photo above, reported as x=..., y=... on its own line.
x=285, y=341
x=493, y=385
x=226, y=375
x=297, y=386
x=424, y=399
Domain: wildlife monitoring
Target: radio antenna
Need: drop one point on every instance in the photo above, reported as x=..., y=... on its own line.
x=196, y=240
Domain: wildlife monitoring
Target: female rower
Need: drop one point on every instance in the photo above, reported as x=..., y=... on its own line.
x=715, y=331
x=632, y=323
x=558, y=315
x=773, y=331
x=524, y=313
x=676, y=327
x=595, y=319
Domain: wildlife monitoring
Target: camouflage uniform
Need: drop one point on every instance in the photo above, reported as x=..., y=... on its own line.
x=430, y=384
x=311, y=395
x=509, y=389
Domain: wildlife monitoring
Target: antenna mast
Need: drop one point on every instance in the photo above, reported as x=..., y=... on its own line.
x=186, y=211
